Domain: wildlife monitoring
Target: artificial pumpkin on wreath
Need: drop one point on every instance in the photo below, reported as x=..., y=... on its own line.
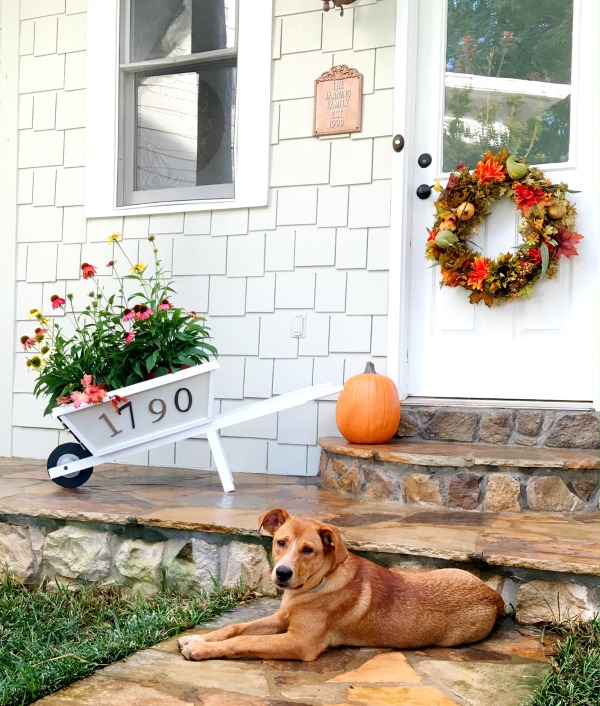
x=368, y=408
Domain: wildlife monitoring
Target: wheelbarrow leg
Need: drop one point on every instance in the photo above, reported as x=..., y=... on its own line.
x=218, y=453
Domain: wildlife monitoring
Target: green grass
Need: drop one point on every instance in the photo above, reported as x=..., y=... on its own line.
x=53, y=636
x=574, y=678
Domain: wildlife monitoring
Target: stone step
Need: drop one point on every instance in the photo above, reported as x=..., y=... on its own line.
x=561, y=428
x=132, y=525
x=485, y=477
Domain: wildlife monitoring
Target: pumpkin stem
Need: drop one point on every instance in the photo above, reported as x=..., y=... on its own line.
x=370, y=368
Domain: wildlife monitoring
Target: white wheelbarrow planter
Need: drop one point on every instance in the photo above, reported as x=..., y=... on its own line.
x=158, y=411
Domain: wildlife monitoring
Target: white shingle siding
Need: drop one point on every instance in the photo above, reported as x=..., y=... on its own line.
x=41, y=8
x=297, y=206
x=199, y=254
x=314, y=246
x=260, y=293
x=44, y=38
x=42, y=73
x=230, y=222
x=44, y=113
x=290, y=375
x=246, y=256
x=318, y=249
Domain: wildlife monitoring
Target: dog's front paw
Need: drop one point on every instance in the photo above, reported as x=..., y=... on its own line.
x=190, y=647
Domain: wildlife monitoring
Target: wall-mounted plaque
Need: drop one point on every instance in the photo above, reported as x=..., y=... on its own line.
x=338, y=101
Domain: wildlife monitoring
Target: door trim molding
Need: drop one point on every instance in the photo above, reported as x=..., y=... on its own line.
x=401, y=212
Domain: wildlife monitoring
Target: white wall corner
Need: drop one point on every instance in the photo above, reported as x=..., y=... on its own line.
x=9, y=114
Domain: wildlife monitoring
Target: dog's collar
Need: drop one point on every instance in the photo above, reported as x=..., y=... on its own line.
x=319, y=587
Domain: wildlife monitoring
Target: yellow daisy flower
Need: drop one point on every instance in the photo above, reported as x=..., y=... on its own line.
x=114, y=237
x=35, y=314
x=140, y=267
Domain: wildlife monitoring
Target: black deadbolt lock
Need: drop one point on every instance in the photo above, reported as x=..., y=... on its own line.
x=424, y=160
x=424, y=191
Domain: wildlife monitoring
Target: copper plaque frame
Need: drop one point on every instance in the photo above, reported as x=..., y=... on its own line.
x=338, y=101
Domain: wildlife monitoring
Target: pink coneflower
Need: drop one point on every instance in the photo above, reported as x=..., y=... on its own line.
x=57, y=301
x=27, y=342
x=128, y=314
x=111, y=263
x=192, y=314
x=129, y=336
x=141, y=312
x=87, y=270
x=165, y=304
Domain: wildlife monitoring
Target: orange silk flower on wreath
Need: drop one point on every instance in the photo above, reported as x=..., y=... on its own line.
x=489, y=171
x=479, y=271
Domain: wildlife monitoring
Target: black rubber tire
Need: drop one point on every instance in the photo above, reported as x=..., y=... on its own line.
x=75, y=451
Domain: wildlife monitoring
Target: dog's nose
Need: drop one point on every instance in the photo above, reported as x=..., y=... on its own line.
x=283, y=573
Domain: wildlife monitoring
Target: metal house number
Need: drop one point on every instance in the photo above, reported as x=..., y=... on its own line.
x=157, y=407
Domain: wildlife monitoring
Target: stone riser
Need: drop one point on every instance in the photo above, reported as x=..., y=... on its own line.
x=83, y=553
x=35, y=551
x=521, y=427
x=485, y=488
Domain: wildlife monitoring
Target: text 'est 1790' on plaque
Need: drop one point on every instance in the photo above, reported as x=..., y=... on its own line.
x=338, y=101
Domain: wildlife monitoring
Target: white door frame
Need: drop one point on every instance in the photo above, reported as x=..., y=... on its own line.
x=401, y=212
x=403, y=167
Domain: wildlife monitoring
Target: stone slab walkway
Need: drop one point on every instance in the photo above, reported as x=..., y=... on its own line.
x=496, y=671
x=194, y=500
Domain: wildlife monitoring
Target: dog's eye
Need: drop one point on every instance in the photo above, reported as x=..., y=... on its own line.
x=307, y=550
x=281, y=542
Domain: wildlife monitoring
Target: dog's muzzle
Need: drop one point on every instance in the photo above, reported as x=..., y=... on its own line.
x=283, y=575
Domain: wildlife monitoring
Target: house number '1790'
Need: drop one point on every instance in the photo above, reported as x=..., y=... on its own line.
x=157, y=407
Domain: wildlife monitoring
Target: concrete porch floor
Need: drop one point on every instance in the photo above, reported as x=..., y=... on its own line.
x=193, y=500
x=499, y=671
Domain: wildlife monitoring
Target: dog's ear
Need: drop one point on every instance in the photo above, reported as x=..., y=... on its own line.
x=333, y=542
x=272, y=520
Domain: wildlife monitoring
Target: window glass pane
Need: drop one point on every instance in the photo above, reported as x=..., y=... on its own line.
x=168, y=28
x=508, y=79
x=184, y=133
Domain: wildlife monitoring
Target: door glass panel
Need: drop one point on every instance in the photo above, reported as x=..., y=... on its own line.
x=508, y=80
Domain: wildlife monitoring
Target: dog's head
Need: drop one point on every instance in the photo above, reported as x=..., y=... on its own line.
x=304, y=551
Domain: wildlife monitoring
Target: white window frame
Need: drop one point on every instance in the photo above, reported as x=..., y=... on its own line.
x=252, y=130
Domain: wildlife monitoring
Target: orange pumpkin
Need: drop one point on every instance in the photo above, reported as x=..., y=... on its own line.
x=368, y=408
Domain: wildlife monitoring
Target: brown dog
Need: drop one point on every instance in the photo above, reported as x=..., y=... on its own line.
x=332, y=597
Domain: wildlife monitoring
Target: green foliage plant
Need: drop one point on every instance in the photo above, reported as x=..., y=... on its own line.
x=118, y=339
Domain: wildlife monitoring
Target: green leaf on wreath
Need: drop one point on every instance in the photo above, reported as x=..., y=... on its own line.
x=545, y=258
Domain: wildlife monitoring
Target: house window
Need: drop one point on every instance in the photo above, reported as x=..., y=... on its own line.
x=187, y=96
x=178, y=78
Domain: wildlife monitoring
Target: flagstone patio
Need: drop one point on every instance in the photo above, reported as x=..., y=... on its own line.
x=497, y=671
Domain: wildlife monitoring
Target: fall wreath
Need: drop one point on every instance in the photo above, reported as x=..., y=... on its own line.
x=546, y=228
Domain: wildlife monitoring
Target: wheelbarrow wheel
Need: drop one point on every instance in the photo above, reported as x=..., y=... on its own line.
x=67, y=453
